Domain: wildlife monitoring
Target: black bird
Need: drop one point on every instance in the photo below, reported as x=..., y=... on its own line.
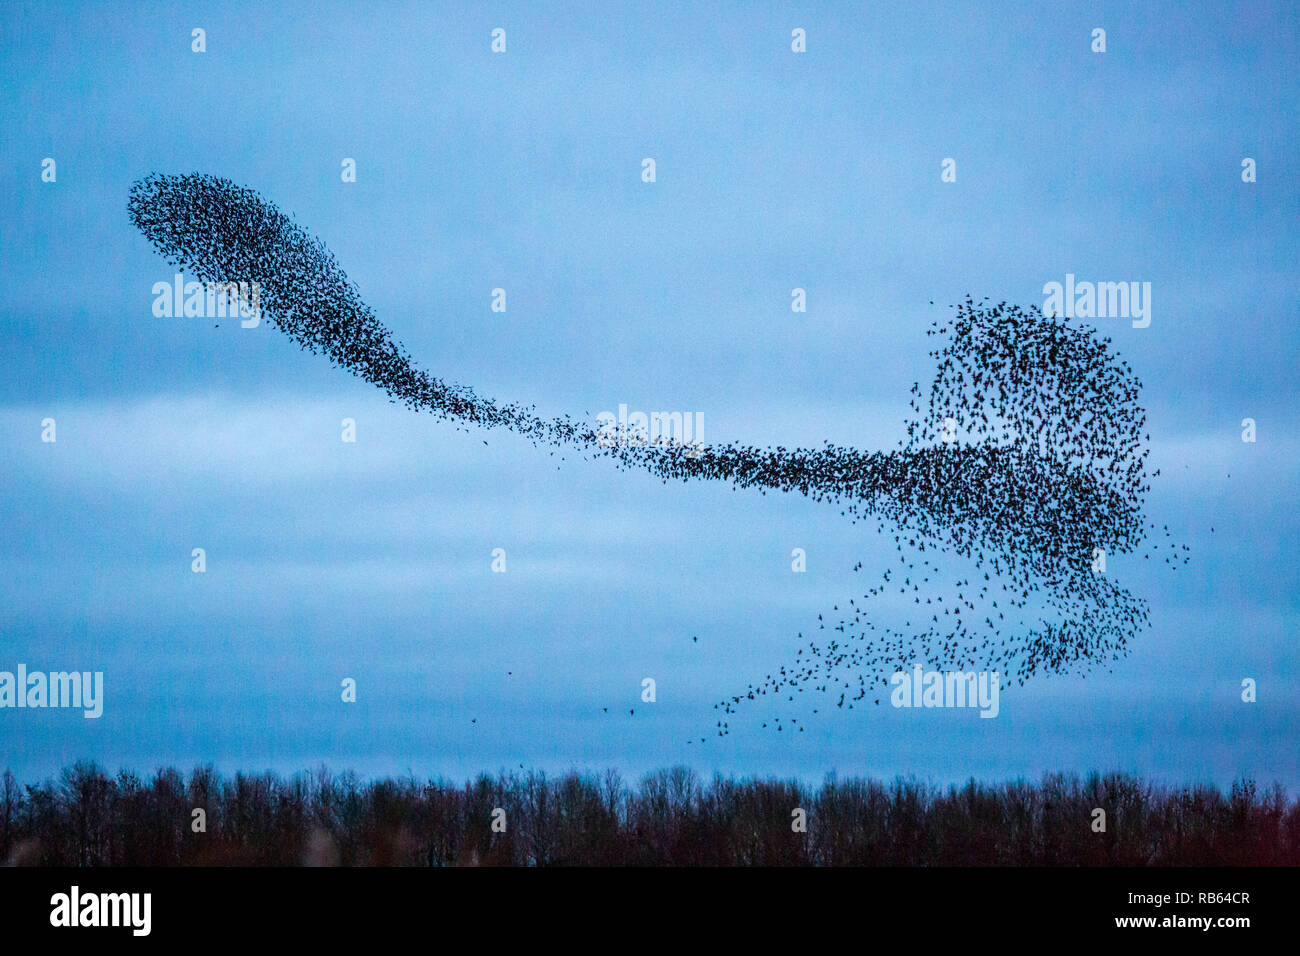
x=1028, y=458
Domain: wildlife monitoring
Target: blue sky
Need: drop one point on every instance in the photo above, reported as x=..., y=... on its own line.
x=522, y=170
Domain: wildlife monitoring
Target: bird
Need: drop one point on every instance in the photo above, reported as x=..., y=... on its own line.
x=1028, y=454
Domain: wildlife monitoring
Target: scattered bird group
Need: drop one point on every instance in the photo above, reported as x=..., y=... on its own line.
x=1026, y=463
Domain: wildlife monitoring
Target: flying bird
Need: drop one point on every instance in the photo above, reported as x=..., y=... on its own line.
x=1027, y=460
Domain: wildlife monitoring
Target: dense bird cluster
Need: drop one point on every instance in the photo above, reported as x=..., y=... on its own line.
x=1027, y=461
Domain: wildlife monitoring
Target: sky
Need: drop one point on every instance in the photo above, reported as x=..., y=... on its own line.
x=522, y=170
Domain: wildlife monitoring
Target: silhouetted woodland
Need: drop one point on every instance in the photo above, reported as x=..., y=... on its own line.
x=672, y=817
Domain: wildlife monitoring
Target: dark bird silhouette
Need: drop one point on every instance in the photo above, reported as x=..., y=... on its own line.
x=1027, y=462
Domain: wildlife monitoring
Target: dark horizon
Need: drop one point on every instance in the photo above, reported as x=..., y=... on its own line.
x=671, y=817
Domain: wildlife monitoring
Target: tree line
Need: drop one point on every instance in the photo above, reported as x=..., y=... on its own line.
x=89, y=817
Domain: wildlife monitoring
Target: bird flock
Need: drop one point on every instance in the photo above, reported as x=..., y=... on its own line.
x=1026, y=462
x=1025, y=467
